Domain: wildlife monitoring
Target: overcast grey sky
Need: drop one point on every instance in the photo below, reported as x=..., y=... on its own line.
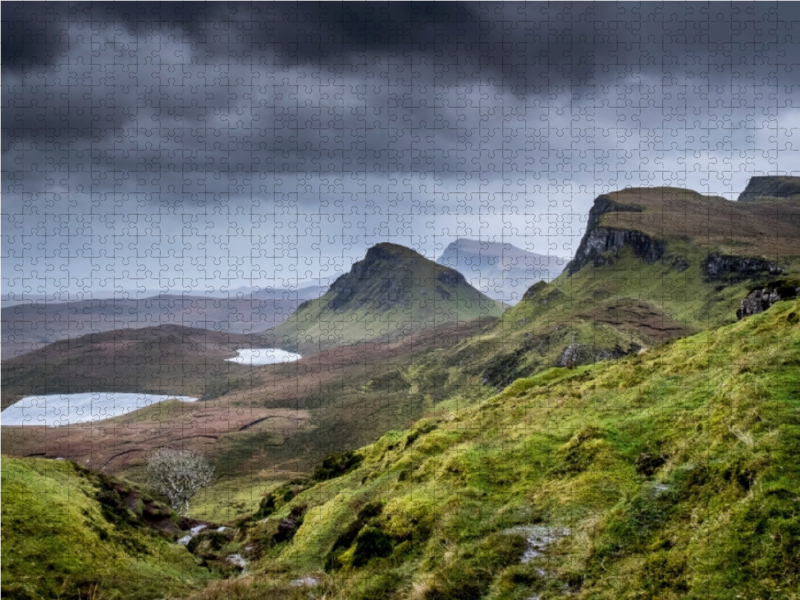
x=173, y=146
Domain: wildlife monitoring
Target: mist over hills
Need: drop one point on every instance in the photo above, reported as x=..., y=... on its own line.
x=33, y=324
x=498, y=269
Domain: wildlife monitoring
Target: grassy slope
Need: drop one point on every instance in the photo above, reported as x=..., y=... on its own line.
x=613, y=307
x=671, y=474
x=58, y=543
x=617, y=307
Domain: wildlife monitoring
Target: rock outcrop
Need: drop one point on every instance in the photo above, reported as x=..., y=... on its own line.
x=721, y=266
x=770, y=186
x=761, y=299
x=597, y=240
x=578, y=354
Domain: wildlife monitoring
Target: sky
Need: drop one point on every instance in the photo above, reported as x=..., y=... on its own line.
x=208, y=146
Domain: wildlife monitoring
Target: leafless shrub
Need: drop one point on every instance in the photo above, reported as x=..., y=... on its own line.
x=179, y=475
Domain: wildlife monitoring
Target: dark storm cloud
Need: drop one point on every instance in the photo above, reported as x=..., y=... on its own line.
x=395, y=117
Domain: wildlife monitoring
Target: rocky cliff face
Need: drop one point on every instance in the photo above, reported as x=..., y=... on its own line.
x=598, y=240
x=771, y=186
x=761, y=299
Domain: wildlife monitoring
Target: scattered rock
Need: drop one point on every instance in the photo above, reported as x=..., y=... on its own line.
x=761, y=299
x=577, y=354
x=539, y=537
x=289, y=526
x=659, y=488
x=719, y=266
x=237, y=560
x=570, y=356
x=680, y=264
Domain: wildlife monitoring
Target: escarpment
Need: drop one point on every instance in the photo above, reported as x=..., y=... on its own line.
x=598, y=240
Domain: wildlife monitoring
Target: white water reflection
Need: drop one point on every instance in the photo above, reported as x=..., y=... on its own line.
x=263, y=356
x=65, y=409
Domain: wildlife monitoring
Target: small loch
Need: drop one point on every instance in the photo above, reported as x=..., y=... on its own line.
x=254, y=357
x=66, y=409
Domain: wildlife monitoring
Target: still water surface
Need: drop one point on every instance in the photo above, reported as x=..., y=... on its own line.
x=263, y=356
x=65, y=409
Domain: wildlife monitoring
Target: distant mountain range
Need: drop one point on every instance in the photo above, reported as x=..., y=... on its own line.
x=498, y=269
x=14, y=298
x=30, y=325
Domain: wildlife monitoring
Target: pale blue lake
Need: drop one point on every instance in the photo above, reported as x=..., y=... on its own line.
x=263, y=356
x=66, y=409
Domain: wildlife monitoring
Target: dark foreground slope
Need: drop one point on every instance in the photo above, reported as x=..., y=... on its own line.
x=71, y=533
x=671, y=474
x=391, y=293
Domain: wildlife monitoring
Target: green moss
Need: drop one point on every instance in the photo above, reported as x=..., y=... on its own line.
x=336, y=465
x=60, y=541
x=674, y=473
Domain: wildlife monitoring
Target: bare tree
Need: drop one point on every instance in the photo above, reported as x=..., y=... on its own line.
x=179, y=475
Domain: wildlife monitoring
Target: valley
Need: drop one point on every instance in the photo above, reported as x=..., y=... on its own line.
x=404, y=435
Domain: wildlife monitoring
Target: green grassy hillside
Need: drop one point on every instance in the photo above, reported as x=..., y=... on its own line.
x=67, y=533
x=655, y=264
x=669, y=474
x=390, y=294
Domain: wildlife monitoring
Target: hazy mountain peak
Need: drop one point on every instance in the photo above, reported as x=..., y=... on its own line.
x=773, y=186
x=499, y=269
